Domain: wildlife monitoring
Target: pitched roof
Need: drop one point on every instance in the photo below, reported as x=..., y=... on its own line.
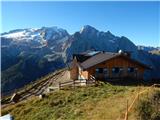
x=97, y=59
x=85, y=55
x=104, y=56
x=81, y=58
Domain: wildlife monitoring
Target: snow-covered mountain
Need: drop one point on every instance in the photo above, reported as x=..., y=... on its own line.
x=36, y=37
x=31, y=53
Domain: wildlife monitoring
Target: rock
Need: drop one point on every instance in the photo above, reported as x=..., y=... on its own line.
x=15, y=97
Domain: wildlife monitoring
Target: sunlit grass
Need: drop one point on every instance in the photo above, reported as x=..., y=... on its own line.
x=104, y=102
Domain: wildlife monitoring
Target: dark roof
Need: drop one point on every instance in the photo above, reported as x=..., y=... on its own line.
x=81, y=58
x=97, y=59
x=85, y=55
x=139, y=63
x=104, y=56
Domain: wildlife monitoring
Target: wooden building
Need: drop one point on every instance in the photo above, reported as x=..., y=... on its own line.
x=106, y=66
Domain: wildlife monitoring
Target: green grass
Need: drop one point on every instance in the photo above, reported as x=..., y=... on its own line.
x=102, y=102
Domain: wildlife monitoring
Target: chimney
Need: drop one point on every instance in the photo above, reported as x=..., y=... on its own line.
x=126, y=53
x=120, y=52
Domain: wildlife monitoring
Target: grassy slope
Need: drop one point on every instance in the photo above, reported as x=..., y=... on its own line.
x=105, y=102
x=6, y=99
x=147, y=107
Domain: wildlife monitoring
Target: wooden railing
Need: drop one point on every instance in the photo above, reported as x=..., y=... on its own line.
x=75, y=83
x=129, y=107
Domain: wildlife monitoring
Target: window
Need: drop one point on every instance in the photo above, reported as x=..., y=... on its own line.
x=105, y=70
x=115, y=70
x=99, y=70
x=121, y=69
x=131, y=69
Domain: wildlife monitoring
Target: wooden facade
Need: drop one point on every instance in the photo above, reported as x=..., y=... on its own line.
x=116, y=67
x=74, y=70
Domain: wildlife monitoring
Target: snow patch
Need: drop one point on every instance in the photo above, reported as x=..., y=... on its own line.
x=15, y=35
x=51, y=57
x=63, y=39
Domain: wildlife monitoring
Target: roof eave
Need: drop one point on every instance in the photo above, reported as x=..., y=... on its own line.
x=137, y=62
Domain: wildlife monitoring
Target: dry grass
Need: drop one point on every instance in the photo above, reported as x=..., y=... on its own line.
x=105, y=102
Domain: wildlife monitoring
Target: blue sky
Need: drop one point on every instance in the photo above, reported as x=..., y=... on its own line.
x=139, y=21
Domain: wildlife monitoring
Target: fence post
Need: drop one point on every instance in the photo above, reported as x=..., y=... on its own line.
x=86, y=82
x=126, y=115
x=74, y=83
x=138, y=92
x=59, y=85
x=157, y=105
x=148, y=94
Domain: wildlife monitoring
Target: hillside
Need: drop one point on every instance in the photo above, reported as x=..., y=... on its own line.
x=38, y=87
x=102, y=102
x=72, y=104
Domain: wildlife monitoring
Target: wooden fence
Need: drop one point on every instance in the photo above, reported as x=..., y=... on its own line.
x=76, y=83
x=129, y=107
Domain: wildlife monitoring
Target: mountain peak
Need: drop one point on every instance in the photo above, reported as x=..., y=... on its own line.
x=109, y=32
x=53, y=28
x=88, y=28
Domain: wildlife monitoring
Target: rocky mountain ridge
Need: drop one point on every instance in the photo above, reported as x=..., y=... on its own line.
x=28, y=54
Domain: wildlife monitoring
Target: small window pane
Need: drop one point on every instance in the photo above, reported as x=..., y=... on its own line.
x=116, y=70
x=97, y=70
x=121, y=69
x=131, y=69
x=105, y=69
x=100, y=70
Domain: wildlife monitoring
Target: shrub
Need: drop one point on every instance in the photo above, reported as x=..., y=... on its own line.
x=145, y=110
x=148, y=108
